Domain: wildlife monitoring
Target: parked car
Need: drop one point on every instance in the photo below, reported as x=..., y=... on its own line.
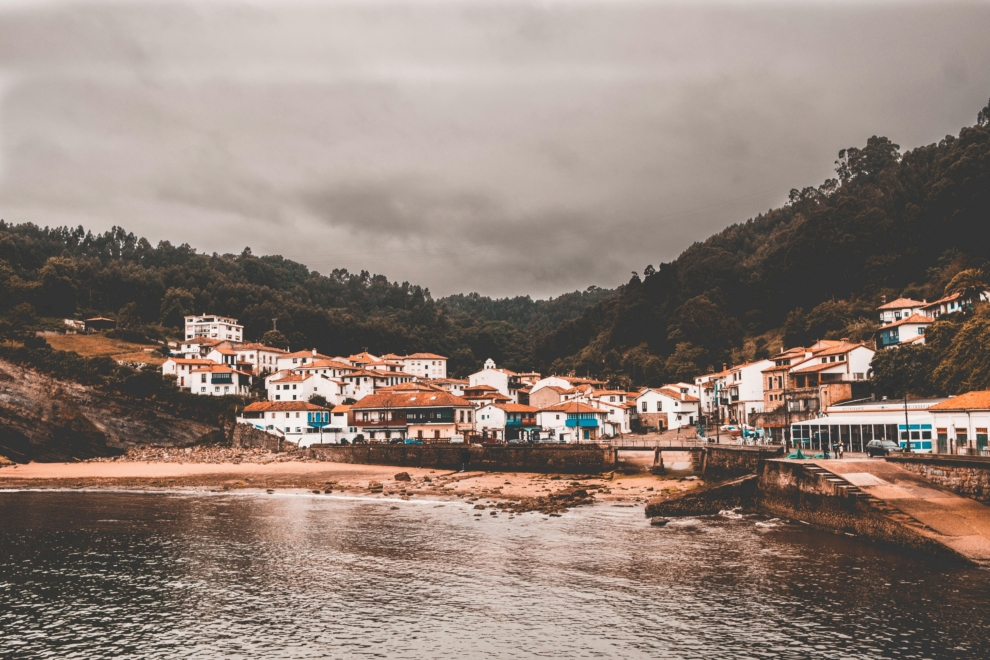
x=413, y=441
x=881, y=448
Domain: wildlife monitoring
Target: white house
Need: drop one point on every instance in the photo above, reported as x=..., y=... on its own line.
x=667, y=408
x=298, y=359
x=572, y=421
x=906, y=331
x=616, y=403
x=214, y=327
x=899, y=309
x=364, y=382
x=182, y=368
x=330, y=368
x=961, y=423
x=286, y=386
x=223, y=355
x=219, y=380
x=263, y=359
x=954, y=302
x=300, y=422
x=453, y=385
x=424, y=365
x=744, y=390
x=507, y=422
x=505, y=381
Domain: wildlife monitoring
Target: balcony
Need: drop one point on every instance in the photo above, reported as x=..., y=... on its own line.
x=581, y=423
x=520, y=421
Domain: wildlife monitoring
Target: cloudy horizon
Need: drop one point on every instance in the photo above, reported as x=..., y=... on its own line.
x=505, y=148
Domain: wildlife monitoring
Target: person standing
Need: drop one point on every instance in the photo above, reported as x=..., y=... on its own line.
x=842, y=449
x=824, y=444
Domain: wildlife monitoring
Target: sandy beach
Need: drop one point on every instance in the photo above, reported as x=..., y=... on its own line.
x=531, y=491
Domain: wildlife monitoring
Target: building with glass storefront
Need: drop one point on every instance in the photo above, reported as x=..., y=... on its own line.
x=856, y=423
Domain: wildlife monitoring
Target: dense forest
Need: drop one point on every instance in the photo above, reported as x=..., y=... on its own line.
x=889, y=224
x=54, y=273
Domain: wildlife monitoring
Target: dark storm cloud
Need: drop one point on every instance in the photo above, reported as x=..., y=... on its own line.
x=501, y=147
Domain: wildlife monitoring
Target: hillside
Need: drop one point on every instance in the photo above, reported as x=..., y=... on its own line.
x=64, y=272
x=887, y=225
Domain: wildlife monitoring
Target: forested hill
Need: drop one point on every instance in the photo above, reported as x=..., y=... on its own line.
x=64, y=272
x=888, y=224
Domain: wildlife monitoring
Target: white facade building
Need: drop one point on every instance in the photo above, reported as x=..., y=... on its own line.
x=961, y=423
x=675, y=409
x=744, y=389
x=899, y=309
x=300, y=422
x=214, y=327
x=219, y=380
x=300, y=387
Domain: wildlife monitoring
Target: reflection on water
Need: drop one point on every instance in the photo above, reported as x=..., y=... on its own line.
x=119, y=575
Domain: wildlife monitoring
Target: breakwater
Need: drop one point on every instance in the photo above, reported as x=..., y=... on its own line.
x=561, y=459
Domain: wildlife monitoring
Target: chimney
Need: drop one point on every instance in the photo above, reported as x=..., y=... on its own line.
x=724, y=366
x=314, y=352
x=682, y=396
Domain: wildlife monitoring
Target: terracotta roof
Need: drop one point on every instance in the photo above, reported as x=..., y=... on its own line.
x=259, y=347
x=901, y=303
x=225, y=351
x=948, y=298
x=515, y=407
x=425, y=356
x=282, y=406
x=813, y=365
x=328, y=364
x=190, y=360
x=341, y=409
x=914, y=318
x=292, y=378
x=218, y=368
x=411, y=400
x=841, y=349
x=573, y=407
x=676, y=394
x=607, y=392
x=308, y=354
x=483, y=388
x=978, y=400
x=374, y=373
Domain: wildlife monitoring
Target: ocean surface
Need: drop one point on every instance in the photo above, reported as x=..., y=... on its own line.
x=128, y=575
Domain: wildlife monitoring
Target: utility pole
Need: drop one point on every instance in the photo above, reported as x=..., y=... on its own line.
x=907, y=427
x=787, y=416
x=275, y=324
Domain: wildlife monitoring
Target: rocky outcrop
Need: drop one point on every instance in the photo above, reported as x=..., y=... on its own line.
x=706, y=501
x=43, y=419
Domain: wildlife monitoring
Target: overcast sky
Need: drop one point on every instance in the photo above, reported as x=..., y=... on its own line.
x=499, y=147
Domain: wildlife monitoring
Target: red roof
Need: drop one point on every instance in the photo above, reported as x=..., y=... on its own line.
x=425, y=356
x=676, y=394
x=573, y=407
x=392, y=399
x=978, y=400
x=914, y=318
x=259, y=347
x=901, y=303
x=515, y=407
x=282, y=406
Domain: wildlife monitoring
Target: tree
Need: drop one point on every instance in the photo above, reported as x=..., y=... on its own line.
x=129, y=317
x=967, y=282
x=983, y=117
x=176, y=304
x=318, y=400
x=867, y=162
x=275, y=339
x=904, y=369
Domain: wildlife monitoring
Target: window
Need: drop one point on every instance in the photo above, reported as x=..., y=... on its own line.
x=202, y=378
x=659, y=406
x=644, y=406
x=842, y=358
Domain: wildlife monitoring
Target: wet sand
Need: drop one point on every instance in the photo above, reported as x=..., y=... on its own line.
x=370, y=480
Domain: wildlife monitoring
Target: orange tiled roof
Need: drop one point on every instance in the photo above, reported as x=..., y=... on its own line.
x=977, y=400
x=573, y=407
x=425, y=356
x=515, y=407
x=282, y=406
x=901, y=303
x=411, y=400
x=914, y=318
x=676, y=394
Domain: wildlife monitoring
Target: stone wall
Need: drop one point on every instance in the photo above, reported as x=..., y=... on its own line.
x=791, y=490
x=249, y=437
x=657, y=420
x=707, y=501
x=968, y=476
x=722, y=462
x=562, y=459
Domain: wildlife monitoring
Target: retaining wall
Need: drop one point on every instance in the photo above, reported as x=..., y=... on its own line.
x=968, y=476
x=722, y=462
x=248, y=437
x=562, y=459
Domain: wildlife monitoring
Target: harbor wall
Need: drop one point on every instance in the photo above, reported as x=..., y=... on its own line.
x=968, y=476
x=721, y=462
x=561, y=459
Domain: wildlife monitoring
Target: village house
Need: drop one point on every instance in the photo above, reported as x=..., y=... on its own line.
x=857, y=422
x=363, y=382
x=192, y=349
x=954, y=302
x=508, y=422
x=181, y=368
x=909, y=330
x=803, y=381
x=219, y=380
x=453, y=385
x=507, y=382
x=287, y=386
x=432, y=416
x=961, y=423
x=263, y=359
x=214, y=327
x=616, y=403
x=573, y=421
x=899, y=309
x=424, y=365
x=744, y=391
x=667, y=408
x=297, y=359
x=551, y=395
x=300, y=422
